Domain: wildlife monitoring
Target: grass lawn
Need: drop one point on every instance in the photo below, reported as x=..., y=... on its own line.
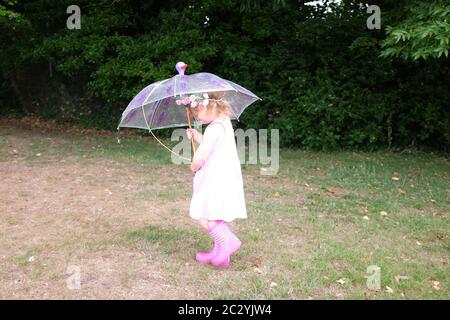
x=119, y=213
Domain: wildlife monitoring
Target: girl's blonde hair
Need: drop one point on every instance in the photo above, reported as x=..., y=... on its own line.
x=217, y=104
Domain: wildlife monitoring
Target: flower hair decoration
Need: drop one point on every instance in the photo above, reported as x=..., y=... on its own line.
x=195, y=101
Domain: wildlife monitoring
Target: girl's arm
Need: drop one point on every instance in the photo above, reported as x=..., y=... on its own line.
x=212, y=134
x=197, y=135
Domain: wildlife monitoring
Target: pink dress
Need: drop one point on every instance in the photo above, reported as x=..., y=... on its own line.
x=218, y=188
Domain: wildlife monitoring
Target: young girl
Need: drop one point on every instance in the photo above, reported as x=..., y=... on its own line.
x=218, y=193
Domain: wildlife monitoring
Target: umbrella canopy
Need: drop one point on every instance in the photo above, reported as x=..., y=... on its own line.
x=155, y=106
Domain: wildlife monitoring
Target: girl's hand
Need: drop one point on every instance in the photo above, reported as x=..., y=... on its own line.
x=196, y=165
x=194, y=133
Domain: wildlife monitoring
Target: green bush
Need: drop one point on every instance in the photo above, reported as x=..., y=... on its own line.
x=326, y=80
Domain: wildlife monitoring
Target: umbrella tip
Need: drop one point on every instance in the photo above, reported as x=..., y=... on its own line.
x=181, y=67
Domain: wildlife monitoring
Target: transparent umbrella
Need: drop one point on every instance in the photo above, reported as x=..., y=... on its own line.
x=166, y=103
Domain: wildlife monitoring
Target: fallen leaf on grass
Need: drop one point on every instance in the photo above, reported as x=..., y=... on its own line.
x=405, y=258
x=389, y=290
x=366, y=218
x=257, y=270
x=331, y=190
x=342, y=281
x=395, y=178
x=436, y=285
x=441, y=236
x=383, y=213
x=401, y=191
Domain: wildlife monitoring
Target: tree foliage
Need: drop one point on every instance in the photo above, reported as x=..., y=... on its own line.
x=424, y=32
x=326, y=80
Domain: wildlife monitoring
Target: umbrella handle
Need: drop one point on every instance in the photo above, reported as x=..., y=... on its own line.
x=189, y=122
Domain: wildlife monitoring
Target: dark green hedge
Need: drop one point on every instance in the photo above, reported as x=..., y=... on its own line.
x=319, y=72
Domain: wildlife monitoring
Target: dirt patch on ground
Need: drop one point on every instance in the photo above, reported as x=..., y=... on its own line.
x=58, y=213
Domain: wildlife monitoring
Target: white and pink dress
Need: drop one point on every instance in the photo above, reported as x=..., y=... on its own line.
x=218, y=192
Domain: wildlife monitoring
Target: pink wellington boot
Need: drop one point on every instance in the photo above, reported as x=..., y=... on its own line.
x=227, y=244
x=205, y=257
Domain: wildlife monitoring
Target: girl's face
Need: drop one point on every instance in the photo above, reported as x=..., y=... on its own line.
x=201, y=113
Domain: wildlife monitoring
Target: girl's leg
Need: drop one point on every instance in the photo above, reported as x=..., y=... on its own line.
x=206, y=224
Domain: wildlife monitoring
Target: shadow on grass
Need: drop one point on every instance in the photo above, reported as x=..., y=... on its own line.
x=178, y=243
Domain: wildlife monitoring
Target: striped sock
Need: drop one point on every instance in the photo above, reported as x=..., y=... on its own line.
x=221, y=234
